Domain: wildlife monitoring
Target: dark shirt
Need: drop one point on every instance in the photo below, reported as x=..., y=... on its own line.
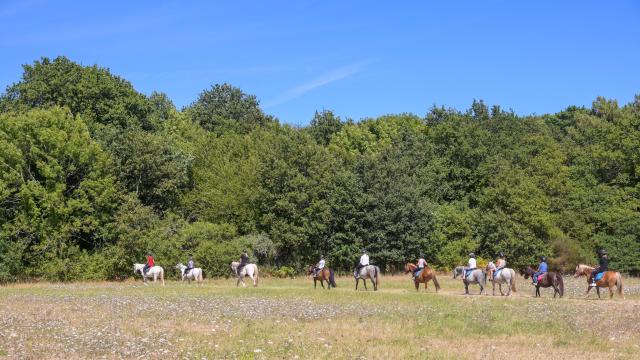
x=244, y=259
x=604, y=264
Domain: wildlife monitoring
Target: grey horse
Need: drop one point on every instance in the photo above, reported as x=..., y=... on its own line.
x=505, y=276
x=476, y=276
x=370, y=272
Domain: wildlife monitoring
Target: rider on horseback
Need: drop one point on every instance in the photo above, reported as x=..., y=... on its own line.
x=472, y=265
x=501, y=263
x=150, y=263
x=190, y=265
x=364, y=261
x=542, y=268
x=319, y=266
x=244, y=260
x=422, y=263
x=603, y=265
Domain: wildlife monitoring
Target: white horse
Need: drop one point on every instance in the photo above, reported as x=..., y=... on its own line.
x=155, y=271
x=505, y=276
x=194, y=274
x=250, y=270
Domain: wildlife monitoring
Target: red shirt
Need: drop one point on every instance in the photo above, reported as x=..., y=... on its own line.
x=150, y=260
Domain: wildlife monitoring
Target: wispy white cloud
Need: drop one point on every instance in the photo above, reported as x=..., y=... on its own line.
x=322, y=80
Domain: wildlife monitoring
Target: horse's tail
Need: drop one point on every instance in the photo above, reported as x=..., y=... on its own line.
x=435, y=282
x=255, y=274
x=377, y=275
x=513, y=281
x=619, y=284
x=199, y=279
x=332, y=279
x=560, y=283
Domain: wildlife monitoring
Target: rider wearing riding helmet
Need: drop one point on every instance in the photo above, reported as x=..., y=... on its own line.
x=364, y=261
x=150, y=263
x=319, y=266
x=190, y=265
x=422, y=263
x=603, y=265
x=244, y=260
x=542, y=268
x=472, y=265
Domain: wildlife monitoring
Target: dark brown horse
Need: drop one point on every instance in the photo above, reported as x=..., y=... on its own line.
x=548, y=279
x=323, y=275
x=425, y=276
x=610, y=279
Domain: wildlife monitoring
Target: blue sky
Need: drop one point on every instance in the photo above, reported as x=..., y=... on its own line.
x=358, y=58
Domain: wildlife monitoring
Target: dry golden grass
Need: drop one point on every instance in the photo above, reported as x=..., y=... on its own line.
x=289, y=319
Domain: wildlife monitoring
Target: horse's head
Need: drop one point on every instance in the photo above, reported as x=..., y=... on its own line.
x=138, y=267
x=526, y=272
x=409, y=267
x=582, y=270
x=457, y=271
x=310, y=270
x=491, y=266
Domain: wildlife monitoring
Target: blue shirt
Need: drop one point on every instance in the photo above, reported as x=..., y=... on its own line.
x=542, y=267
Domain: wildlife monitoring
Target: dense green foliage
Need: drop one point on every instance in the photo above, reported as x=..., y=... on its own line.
x=94, y=174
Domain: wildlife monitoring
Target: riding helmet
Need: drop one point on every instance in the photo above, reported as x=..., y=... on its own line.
x=543, y=258
x=501, y=254
x=321, y=256
x=472, y=255
x=602, y=252
x=364, y=251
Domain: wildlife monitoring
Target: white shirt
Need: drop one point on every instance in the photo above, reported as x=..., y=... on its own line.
x=422, y=263
x=321, y=264
x=364, y=259
x=472, y=263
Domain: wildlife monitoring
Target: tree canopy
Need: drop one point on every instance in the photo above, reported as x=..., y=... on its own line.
x=94, y=174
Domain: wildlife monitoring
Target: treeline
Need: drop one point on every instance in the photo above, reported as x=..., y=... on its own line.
x=94, y=174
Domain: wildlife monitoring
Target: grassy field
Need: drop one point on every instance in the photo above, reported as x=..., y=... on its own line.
x=287, y=318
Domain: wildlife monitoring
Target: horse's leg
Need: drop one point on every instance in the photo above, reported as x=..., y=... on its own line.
x=322, y=283
x=315, y=285
x=364, y=281
x=500, y=287
x=357, y=281
x=493, y=292
x=598, y=291
x=610, y=291
x=466, y=288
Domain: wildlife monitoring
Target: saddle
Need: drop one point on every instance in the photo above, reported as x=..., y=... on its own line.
x=468, y=272
x=599, y=276
x=497, y=272
x=540, y=277
x=418, y=273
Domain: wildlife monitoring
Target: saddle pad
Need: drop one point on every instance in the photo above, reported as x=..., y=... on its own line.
x=599, y=275
x=540, y=277
x=497, y=273
x=419, y=272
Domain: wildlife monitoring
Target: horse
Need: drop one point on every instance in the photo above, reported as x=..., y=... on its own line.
x=250, y=270
x=325, y=274
x=609, y=280
x=155, y=271
x=549, y=279
x=370, y=272
x=194, y=274
x=425, y=276
x=506, y=276
x=477, y=276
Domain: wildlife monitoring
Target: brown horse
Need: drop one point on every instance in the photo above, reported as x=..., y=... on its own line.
x=609, y=280
x=425, y=276
x=323, y=275
x=549, y=279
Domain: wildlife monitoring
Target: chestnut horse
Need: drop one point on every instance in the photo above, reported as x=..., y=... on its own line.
x=323, y=275
x=609, y=280
x=549, y=279
x=425, y=276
